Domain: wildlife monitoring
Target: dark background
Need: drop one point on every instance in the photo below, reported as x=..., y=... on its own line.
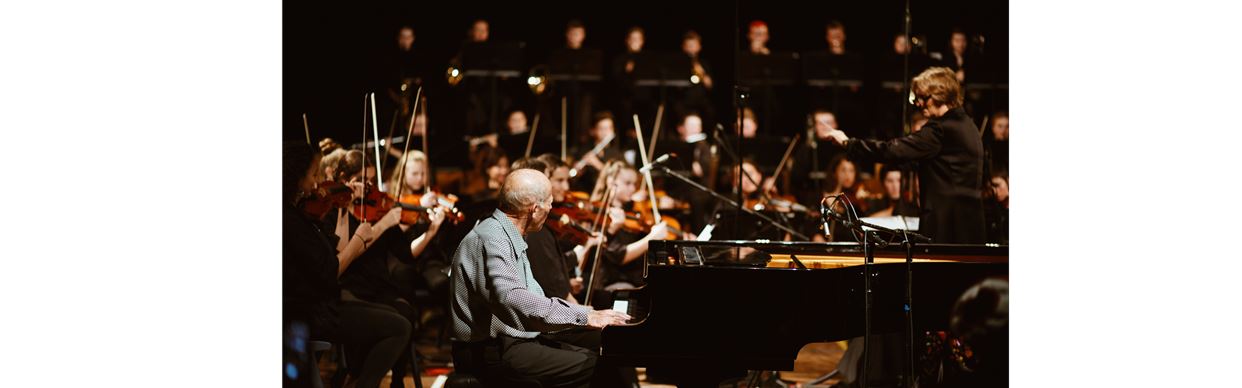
x=336, y=52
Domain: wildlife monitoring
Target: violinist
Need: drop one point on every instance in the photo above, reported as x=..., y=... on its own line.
x=339, y=166
x=415, y=182
x=889, y=203
x=370, y=280
x=621, y=265
x=554, y=260
x=759, y=194
x=491, y=165
x=375, y=334
x=602, y=145
x=558, y=174
x=810, y=177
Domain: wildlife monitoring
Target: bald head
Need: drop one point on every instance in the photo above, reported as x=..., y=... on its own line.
x=522, y=189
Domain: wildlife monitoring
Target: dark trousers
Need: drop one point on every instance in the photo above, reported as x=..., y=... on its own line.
x=507, y=361
x=375, y=336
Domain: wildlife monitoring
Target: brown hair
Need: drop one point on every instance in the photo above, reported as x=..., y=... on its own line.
x=607, y=175
x=940, y=85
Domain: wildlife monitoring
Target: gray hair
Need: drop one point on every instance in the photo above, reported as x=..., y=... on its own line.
x=522, y=189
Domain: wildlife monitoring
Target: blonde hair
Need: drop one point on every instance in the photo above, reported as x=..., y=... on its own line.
x=606, y=177
x=398, y=174
x=940, y=85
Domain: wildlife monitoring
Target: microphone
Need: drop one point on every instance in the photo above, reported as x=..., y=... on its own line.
x=823, y=216
x=661, y=159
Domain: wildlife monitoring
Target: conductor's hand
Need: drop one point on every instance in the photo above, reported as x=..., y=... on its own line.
x=599, y=319
x=838, y=137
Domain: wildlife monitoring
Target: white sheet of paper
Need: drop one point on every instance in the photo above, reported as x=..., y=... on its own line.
x=621, y=305
x=706, y=234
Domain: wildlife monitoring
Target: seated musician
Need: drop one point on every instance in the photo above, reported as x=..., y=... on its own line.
x=759, y=195
x=843, y=180
x=996, y=208
x=375, y=333
x=491, y=165
x=370, y=280
x=554, y=261
x=499, y=310
x=889, y=202
x=621, y=264
x=757, y=35
x=590, y=163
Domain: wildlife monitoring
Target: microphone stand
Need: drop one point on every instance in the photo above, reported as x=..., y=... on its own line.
x=728, y=201
x=908, y=242
x=762, y=194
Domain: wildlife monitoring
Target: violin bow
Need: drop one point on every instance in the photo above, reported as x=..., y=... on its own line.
x=655, y=133
x=362, y=218
x=530, y=141
x=564, y=139
x=599, y=217
x=655, y=137
x=409, y=133
x=379, y=170
x=784, y=159
x=307, y=127
x=598, y=248
x=426, y=142
x=655, y=208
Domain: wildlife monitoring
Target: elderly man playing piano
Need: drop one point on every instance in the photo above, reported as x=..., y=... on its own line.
x=499, y=310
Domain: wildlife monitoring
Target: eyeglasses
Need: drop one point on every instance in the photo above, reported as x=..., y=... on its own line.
x=914, y=99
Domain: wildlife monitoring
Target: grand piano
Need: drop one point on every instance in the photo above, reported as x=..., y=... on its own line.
x=718, y=308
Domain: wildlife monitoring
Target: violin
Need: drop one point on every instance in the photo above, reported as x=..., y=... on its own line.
x=413, y=212
x=644, y=205
x=567, y=229
x=375, y=204
x=328, y=195
x=641, y=223
x=777, y=203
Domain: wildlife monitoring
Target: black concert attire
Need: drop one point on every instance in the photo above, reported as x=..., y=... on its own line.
x=949, y=153
x=697, y=98
x=311, y=295
x=630, y=99
x=552, y=261
x=585, y=180
x=373, y=277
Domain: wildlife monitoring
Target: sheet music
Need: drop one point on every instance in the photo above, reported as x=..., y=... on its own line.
x=894, y=222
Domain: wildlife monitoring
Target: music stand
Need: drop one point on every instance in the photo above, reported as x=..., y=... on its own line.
x=662, y=70
x=583, y=65
x=763, y=74
x=492, y=62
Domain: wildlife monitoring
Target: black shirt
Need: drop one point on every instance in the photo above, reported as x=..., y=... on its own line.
x=309, y=267
x=949, y=152
x=551, y=261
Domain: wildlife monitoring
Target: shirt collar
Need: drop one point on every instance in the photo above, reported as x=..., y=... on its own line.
x=515, y=236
